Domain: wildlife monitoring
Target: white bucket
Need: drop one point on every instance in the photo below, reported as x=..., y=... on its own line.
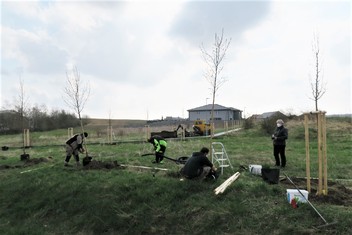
x=294, y=194
x=255, y=169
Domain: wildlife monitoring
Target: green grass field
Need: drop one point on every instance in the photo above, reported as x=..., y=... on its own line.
x=48, y=198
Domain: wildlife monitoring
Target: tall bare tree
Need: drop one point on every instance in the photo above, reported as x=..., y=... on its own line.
x=21, y=101
x=77, y=93
x=21, y=106
x=317, y=85
x=214, y=60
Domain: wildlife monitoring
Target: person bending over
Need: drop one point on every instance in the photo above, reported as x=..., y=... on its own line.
x=198, y=166
x=73, y=146
x=160, y=145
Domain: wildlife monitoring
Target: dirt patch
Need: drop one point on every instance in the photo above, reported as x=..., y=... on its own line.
x=338, y=194
x=99, y=165
x=35, y=161
x=5, y=167
x=27, y=163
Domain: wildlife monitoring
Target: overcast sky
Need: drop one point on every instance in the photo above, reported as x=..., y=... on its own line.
x=142, y=59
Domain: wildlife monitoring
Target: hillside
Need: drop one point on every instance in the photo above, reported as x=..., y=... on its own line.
x=115, y=122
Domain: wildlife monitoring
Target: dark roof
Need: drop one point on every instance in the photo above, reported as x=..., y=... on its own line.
x=270, y=114
x=8, y=111
x=209, y=107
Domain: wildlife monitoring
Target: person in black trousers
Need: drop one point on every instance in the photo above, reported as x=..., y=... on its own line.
x=279, y=142
x=160, y=146
x=74, y=146
x=198, y=166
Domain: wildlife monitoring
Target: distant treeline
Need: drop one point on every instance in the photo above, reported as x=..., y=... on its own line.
x=36, y=119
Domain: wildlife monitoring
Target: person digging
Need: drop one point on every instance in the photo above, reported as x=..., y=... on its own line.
x=74, y=146
x=160, y=145
x=199, y=167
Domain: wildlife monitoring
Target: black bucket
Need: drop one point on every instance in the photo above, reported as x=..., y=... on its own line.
x=271, y=176
x=86, y=160
x=24, y=157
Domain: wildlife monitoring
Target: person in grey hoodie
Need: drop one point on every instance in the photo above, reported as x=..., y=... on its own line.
x=74, y=146
x=279, y=142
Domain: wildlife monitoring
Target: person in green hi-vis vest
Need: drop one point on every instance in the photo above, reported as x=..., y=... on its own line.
x=160, y=145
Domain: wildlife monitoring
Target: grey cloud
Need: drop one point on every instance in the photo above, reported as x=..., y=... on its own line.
x=113, y=59
x=199, y=21
x=119, y=59
x=43, y=58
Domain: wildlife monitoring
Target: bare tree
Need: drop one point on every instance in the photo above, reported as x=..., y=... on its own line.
x=214, y=61
x=77, y=93
x=21, y=102
x=317, y=84
x=21, y=107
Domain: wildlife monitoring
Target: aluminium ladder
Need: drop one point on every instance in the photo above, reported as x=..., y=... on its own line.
x=219, y=156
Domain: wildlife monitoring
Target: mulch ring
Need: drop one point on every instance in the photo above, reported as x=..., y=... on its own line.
x=338, y=194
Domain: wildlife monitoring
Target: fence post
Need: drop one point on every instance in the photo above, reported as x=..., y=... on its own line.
x=226, y=125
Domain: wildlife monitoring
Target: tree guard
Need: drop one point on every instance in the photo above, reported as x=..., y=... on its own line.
x=69, y=132
x=26, y=139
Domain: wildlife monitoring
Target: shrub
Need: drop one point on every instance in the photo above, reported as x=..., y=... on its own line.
x=269, y=124
x=248, y=123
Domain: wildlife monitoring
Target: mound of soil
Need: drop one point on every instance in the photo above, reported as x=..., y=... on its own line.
x=98, y=165
x=338, y=194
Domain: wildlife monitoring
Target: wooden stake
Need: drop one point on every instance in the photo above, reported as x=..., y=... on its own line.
x=320, y=161
x=69, y=132
x=26, y=140
x=322, y=158
x=307, y=151
x=325, y=163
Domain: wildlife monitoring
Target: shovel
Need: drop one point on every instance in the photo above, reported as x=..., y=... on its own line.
x=180, y=160
x=315, y=209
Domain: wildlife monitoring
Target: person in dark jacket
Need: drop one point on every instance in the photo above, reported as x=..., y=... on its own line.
x=198, y=166
x=279, y=143
x=73, y=146
x=160, y=145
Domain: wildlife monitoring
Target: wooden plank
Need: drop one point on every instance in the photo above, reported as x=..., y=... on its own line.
x=227, y=183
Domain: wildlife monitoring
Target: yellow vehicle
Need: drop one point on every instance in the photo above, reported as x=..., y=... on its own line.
x=200, y=127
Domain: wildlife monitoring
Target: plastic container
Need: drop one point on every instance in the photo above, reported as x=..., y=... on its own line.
x=294, y=194
x=255, y=169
